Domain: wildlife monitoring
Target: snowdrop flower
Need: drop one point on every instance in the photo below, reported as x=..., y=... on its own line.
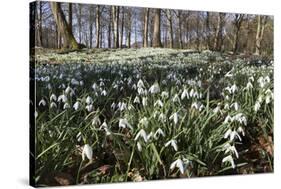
x=137, y=100
x=179, y=164
x=195, y=105
x=164, y=94
x=69, y=90
x=144, y=101
x=240, y=118
x=257, y=106
x=162, y=117
x=240, y=130
x=176, y=98
x=42, y=102
x=184, y=94
x=89, y=108
x=74, y=81
x=96, y=121
x=158, y=132
x=139, y=147
x=53, y=105
x=234, y=88
x=226, y=106
x=230, y=148
x=88, y=152
x=216, y=110
x=249, y=86
x=62, y=98
x=228, y=119
x=173, y=143
x=174, y=117
x=154, y=89
x=76, y=105
x=89, y=100
x=230, y=160
x=144, y=121
x=81, y=83
x=95, y=86
x=235, y=105
x=104, y=93
x=140, y=84
x=122, y=106
x=123, y=123
x=53, y=97
x=232, y=135
x=191, y=92
x=66, y=106
x=158, y=103
x=141, y=133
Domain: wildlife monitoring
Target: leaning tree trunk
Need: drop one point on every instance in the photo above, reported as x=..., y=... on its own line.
x=64, y=29
x=156, y=29
x=145, y=31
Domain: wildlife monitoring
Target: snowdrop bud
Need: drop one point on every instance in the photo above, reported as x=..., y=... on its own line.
x=257, y=106
x=164, y=94
x=144, y=101
x=88, y=152
x=230, y=160
x=89, y=108
x=139, y=147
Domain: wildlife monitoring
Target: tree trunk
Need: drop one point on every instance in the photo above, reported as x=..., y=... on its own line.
x=261, y=20
x=197, y=31
x=70, y=16
x=145, y=31
x=219, y=32
x=91, y=18
x=109, y=30
x=64, y=29
x=208, y=32
x=156, y=29
x=97, y=26
x=122, y=27
x=115, y=15
x=170, y=20
x=129, y=28
x=38, y=25
x=79, y=23
x=180, y=29
x=237, y=23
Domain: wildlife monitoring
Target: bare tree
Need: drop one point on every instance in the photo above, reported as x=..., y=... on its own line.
x=171, y=33
x=68, y=39
x=91, y=20
x=261, y=23
x=156, y=29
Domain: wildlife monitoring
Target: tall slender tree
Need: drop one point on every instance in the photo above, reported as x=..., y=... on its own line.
x=98, y=30
x=261, y=23
x=156, y=29
x=145, y=30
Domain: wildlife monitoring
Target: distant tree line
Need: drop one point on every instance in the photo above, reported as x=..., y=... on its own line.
x=74, y=26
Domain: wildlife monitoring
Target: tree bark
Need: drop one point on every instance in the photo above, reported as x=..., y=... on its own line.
x=115, y=15
x=145, y=31
x=156, y=29
x=91, y=19
x=109, y=29
x=219, y=32
x=98, y=26
x=261, y=20
x=70, y=16
x=170, y=20
x=64, y=29
x=237, y=23
x=180, y=28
